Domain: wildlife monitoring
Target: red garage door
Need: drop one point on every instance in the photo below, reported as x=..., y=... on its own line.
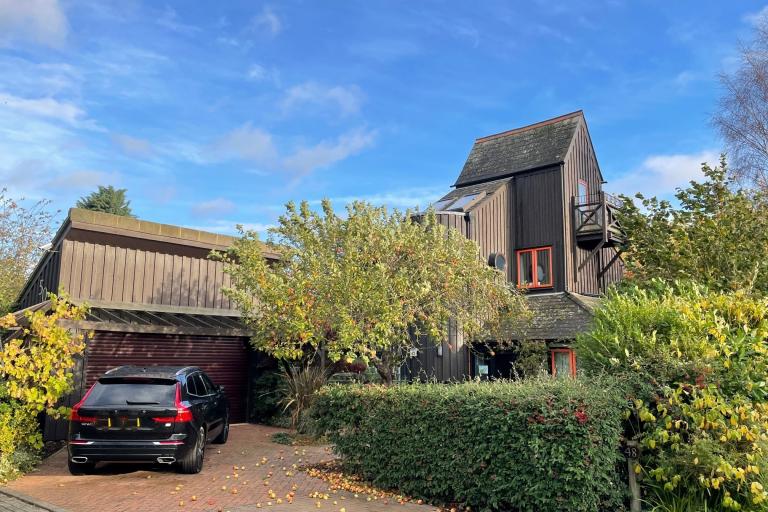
x=224, y=359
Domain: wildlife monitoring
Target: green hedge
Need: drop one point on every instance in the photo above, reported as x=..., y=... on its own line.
x=535, y=445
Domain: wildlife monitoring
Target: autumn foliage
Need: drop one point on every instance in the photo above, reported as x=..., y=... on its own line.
x=35, y=372
x=696, y=363
x=364, y=285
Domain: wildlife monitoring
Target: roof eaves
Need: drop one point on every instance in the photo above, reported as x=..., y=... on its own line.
x=584, y=301
x=507, y=175
x=487, y=197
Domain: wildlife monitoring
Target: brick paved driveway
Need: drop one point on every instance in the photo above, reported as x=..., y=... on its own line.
x=263, y=466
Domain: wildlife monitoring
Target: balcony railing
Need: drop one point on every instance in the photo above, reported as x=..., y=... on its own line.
x=595, y=214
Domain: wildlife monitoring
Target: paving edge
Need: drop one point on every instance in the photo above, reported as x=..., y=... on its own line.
x=30, y=500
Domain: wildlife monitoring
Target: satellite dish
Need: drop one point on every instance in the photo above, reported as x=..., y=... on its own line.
x=497, y=261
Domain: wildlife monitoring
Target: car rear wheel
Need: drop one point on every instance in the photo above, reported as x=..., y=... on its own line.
x=222, y=437
x=84, y=468
x=193, y=461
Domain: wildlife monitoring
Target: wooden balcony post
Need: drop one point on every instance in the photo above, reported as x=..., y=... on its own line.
x=604, y=215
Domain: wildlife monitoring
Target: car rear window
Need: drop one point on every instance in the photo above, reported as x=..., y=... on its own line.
x=132, y=393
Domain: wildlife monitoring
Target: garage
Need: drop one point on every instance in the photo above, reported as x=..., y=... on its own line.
x=224, y=359
x=153, y=297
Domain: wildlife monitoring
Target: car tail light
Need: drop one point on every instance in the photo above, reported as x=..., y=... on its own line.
x=183, y=413
x=75, y=414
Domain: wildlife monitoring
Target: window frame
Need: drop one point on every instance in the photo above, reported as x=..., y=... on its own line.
x=571, y=359
x=196, y=375
x=586, y=187
x=212, y=388
x=534, y=267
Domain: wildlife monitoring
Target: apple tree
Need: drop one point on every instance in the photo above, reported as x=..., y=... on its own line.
x=365, y=285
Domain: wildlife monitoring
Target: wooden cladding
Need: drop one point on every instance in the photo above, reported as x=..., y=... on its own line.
x=97, y=271
x=44, y=279
x=489, y=226
x=585, y=275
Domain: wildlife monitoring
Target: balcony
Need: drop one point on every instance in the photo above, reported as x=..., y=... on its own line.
x=595, y=223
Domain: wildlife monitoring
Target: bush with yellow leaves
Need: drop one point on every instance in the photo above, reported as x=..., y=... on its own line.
x=697, y=364
x=35, y=372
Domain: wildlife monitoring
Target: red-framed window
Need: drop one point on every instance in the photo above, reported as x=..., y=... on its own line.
x=563, y=362
x=534, y=267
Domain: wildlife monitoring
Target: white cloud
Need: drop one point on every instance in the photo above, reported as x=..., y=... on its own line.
x=133, y=146
x=305, y=160
x=41, y=79
x=41, y=21
x=346, y=98
x=218, y=206
x=83, y=180
x=170, y=20
x=661, y=175
x=684, y=78
x=268, y=21
x=755, y=18
x=247, y=143
x=38, y=176
x=258, y=147
x=257, y=72
x=44, y=107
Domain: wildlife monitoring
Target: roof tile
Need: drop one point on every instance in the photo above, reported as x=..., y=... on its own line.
x=530, y=147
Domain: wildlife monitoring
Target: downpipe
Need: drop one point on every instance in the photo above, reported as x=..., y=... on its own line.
x=166, y=460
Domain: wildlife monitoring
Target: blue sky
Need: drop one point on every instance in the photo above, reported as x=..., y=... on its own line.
x=214, y=114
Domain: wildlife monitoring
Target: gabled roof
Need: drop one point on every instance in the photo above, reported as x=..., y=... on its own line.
x=530, y=147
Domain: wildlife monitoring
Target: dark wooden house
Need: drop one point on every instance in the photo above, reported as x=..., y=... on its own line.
x=155, y=299
x=533, y=198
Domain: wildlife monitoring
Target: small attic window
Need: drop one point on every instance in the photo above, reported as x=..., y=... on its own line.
x=463, y=201
x=441, y=205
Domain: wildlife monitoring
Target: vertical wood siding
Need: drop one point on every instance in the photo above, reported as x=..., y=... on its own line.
x=97, y=271
x=452, y=365
x=537, y=219
x=45, y=279
x=489, y=226
x=581, y=163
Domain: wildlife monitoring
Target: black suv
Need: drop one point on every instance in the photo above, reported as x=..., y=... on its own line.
x=159, y=414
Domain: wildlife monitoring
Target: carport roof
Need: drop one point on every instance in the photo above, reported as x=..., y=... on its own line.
x=136, y=318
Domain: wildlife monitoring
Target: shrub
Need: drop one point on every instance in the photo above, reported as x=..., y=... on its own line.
x=532, y=445
x=35, y=372
x=698, y=362
x=298, y=387
x=531, y=360
x=265, y=399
